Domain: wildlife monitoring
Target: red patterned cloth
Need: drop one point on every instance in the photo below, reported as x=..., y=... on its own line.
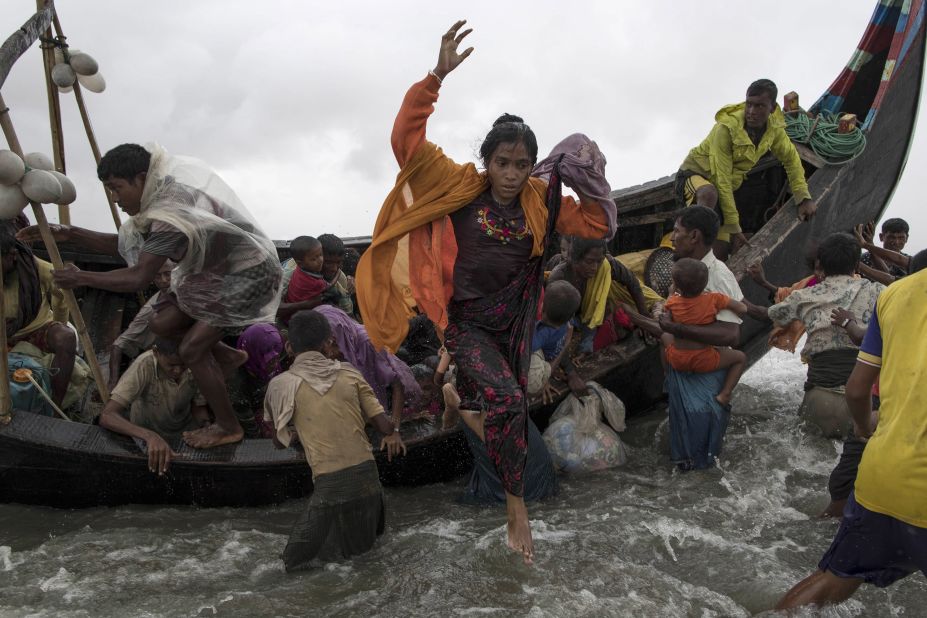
x=304, y=286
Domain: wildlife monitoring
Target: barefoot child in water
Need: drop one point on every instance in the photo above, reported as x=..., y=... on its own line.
x=691, y=304
x=327, y=404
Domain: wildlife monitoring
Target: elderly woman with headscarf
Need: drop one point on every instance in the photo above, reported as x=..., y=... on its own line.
x=391, y=379
x=247, y=386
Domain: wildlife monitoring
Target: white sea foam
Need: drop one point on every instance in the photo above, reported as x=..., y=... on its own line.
x=62, y=580
x=6, y=561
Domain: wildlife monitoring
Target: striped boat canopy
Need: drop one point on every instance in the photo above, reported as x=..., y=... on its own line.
x=861, y=85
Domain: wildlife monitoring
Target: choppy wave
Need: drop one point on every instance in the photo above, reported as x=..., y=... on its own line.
x=640, y=541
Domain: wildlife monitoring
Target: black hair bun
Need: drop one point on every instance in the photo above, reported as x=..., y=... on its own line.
x=504, y=118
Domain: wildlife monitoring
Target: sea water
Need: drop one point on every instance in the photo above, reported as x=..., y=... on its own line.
x=643, y=540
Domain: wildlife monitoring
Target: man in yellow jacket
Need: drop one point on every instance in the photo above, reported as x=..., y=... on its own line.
x=743, y=133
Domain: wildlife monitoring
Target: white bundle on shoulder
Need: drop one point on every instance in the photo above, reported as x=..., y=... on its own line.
x=577, y=438
x=230, y=275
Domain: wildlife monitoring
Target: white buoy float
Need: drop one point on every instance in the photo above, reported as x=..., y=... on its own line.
x=93, y=83
x=84, y=64
x=12, y=167
x=68, y=190
x=63, y=76
x=12, y=201
x=39, y=161
x=41, y=186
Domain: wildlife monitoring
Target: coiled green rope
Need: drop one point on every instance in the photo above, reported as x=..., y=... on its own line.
x=821, y=134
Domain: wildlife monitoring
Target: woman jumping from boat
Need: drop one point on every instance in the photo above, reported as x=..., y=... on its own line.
x=466, y=247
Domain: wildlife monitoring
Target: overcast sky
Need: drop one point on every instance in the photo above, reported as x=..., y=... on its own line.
x=293, y=102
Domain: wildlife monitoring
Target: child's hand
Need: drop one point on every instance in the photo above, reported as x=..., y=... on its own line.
x=549, y=393
x=841, y=317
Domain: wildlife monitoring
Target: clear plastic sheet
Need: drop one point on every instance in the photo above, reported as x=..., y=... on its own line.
x=230, y=275
x=577, y=438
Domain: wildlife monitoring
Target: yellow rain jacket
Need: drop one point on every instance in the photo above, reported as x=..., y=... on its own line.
x=727, y=154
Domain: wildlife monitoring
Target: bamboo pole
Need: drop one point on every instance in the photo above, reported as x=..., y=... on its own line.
x=54, y=113
x=47, y=397
x=6, y=403
x=88, y=128
x=52, y=246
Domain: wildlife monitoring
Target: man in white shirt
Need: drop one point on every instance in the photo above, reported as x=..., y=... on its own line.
x=697, y=421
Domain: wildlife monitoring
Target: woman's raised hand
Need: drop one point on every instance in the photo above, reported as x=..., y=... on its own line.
x=448, y=58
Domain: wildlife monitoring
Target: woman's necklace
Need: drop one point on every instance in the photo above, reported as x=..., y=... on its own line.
x=500, y=228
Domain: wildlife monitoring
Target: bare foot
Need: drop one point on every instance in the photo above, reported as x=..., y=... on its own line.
x=519, y=528
x=451, y=406
x=212, y=435
x=723, y=398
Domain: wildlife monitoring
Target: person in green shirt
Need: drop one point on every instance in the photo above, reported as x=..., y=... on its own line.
x=742, y=135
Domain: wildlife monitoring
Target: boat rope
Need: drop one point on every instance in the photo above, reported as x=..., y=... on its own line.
x=822, y=135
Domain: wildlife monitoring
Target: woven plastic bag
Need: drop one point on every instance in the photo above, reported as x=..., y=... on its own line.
x=577, y=438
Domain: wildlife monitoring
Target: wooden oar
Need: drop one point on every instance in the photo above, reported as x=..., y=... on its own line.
x=21, y=40
x=55, y=255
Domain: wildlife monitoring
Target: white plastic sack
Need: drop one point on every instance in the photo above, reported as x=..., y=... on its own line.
x=577, y=438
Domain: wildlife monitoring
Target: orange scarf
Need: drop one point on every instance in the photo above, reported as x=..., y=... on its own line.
x=410, y=261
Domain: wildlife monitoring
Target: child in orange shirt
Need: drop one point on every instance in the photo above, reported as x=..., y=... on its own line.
x=690, y=304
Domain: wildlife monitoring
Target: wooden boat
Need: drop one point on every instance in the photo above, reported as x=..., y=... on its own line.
x=52, y=462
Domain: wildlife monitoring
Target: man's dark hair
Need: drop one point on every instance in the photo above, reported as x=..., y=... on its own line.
x=331, y=245
x=509, y=129
x=581, y=246
x=301, y=245
x=421, y=341
x=690, y=276
x=703, y=219
x=351, y=258
x=167, y=347
x=839, y=254
x=309, y=330
x=895, y=226
x=811, y=256
x=918, y=262
x=126, y=161
x=561, y=300
x=763, y=86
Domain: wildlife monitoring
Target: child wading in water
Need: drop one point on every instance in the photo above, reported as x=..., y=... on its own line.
x=691, y=304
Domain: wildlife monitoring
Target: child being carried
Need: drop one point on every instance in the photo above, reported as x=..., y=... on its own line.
x=691, y=304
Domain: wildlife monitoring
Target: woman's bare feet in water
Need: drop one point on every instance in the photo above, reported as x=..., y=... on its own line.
x=519, y=528
x=451, y=406
x=213, y=435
